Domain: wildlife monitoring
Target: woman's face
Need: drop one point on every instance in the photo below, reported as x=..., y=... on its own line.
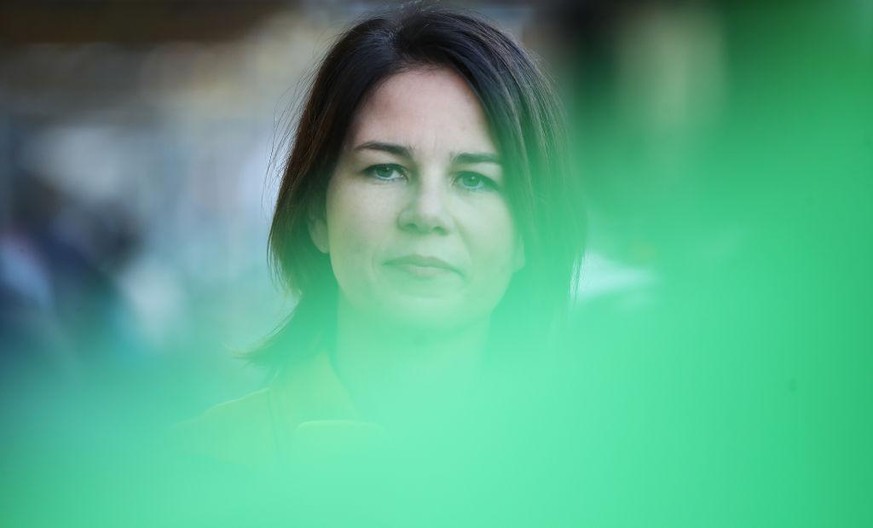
x=417, y=223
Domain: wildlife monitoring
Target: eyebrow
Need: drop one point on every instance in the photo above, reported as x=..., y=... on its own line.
x=464, y=158
x=390, y=148
x=471, y=158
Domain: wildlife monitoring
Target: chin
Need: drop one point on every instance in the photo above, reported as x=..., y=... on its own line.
x=432, y=315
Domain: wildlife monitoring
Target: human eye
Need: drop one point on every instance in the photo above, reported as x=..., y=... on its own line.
x=474, y=181
x=385, y=172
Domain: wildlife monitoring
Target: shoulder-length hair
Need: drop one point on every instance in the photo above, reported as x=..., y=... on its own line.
x=525, y=122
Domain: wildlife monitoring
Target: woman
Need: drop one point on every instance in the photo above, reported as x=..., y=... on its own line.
x=427, y=226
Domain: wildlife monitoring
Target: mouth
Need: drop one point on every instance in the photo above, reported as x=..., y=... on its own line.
x=422, y=266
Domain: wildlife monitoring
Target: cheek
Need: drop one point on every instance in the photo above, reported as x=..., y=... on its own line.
x=492, y=242
x=356, y=224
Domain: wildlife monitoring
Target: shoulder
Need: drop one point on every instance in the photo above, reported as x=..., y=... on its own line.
x=239, y=431
x=261, y=428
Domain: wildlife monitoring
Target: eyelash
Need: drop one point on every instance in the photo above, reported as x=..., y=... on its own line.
x=372, y=171
x=485, y=182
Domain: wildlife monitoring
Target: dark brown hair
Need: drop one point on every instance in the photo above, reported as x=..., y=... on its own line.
x=524, y=118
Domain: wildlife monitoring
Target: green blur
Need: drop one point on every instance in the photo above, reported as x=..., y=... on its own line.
x=731, y=387
x=736, y=389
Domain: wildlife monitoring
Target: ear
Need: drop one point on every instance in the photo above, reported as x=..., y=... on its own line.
x=518, y=259
x=317, y=224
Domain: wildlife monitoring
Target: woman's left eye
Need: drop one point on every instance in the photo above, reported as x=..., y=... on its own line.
x=475, y=182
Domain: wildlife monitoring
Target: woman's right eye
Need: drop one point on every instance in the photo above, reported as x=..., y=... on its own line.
x=385, y=172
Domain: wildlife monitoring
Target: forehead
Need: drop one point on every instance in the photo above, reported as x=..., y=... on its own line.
x=423, y=108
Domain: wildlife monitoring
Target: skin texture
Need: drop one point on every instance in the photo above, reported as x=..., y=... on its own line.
x=419, y=180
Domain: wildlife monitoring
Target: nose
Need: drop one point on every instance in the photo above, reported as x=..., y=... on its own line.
x=426, y=209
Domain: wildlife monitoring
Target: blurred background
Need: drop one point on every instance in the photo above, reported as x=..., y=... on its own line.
x=722, y=340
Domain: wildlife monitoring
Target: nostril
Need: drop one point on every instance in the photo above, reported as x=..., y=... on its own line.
x=426, y=212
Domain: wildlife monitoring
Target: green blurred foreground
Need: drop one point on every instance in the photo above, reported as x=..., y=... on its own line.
x=734, y=390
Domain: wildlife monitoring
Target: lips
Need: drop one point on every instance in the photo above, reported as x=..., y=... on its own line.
x=422, y=265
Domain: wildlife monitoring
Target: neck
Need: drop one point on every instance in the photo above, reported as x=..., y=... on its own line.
x=391, y=370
